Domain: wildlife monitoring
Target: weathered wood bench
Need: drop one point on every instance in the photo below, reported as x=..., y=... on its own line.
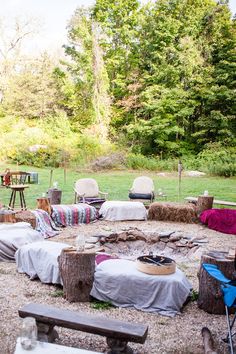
x=117, y=333
x=215, y=201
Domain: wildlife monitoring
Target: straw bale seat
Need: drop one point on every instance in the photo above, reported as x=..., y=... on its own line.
x=170, y=211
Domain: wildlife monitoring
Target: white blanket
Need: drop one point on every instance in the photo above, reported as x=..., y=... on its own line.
x=118, y=281
x=123, y=210
x=13, y=236
x=39, y=260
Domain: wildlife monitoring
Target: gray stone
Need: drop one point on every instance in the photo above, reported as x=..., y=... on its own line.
x=88, y=246
x=92, y=239
x=171, y=245
x=166, y=233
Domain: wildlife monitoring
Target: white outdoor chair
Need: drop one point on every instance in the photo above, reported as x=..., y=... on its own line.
x=142, y=189
x=87, y=191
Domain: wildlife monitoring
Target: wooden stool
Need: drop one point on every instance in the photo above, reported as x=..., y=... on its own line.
x=17, y=188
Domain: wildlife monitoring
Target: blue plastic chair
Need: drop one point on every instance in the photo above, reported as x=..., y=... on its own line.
x=228, y=288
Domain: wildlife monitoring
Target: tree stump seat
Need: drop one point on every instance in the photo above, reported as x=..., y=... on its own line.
x=118, y=333
x=210, y=297
x=77, y=273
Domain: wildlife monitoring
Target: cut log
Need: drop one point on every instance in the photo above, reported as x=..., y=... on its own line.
x=210, y=297
x=44, y=204
x=204, y=203
x=7, y=216
x=77, y=273
x=208, y=341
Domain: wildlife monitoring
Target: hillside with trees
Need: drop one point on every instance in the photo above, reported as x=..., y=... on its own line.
x=156, y=81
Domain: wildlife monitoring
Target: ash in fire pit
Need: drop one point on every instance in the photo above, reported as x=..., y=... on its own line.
x=133, y=242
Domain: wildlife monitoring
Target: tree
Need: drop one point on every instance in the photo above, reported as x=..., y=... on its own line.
x=31, y=92
x=12, y=38
x=86, y=83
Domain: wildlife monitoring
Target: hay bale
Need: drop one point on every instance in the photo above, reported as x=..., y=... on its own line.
x=170, y=211
x=26, y=216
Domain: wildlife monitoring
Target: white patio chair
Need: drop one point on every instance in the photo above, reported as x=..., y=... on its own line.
x=142, y=189
x=87, y=191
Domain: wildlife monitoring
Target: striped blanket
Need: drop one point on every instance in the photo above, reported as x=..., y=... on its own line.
x=69, y=215
x=45, y=224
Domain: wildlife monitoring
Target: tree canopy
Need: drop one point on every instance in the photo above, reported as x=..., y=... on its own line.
x=157, y=78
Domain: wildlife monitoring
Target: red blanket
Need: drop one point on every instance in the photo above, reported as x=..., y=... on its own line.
x=223, y=220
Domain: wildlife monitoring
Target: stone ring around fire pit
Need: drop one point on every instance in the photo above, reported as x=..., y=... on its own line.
x=156, y=265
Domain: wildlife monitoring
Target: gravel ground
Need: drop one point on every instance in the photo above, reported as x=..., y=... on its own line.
x=180, y=335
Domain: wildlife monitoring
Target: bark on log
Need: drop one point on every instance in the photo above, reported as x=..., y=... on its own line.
x=44, y=204
x=208, y=341
x=77, y=273
x=7, y=216
x=204, y=203
x=210, y=298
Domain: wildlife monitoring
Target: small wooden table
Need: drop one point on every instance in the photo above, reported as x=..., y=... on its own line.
x=49, y=348
x=17, y=188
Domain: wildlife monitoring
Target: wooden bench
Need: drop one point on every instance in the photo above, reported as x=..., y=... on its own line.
x=117, y=333
x=215, y=201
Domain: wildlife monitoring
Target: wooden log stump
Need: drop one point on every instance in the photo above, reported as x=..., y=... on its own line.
x=77, y=273
x=204, y=203
x=26, y=216
x=210, y=297
x=7, y=216
x=44, y=204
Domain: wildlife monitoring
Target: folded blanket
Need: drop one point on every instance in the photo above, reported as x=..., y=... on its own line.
x=223, y=220
x=69, y=215
x=44, y=223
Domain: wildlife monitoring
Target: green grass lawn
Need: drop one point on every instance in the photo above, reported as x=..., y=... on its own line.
x=118, y=183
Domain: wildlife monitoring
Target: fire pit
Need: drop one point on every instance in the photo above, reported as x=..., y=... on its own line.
x=132, y=243
x=156, y=265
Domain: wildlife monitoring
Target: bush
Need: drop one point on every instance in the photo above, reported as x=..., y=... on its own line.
x=218, y=160
x=62, y=144
x=141, y=162
x=43, y=157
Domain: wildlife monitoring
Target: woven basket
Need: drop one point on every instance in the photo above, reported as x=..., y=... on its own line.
x=146, y=265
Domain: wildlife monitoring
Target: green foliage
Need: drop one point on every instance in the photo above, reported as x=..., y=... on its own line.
x=217, y=160
x=31, y=92
x=158, y=79
x=141, y=162
x=57, y=293
x=58, y=144
x=101, y=305
x=48, y=157
x=194, y=295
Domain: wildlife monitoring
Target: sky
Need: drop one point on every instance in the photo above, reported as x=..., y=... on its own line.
x=52, y=17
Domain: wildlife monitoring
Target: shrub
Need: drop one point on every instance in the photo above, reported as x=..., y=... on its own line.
x=140, y=162
x=49, y=156
x=218, y=160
